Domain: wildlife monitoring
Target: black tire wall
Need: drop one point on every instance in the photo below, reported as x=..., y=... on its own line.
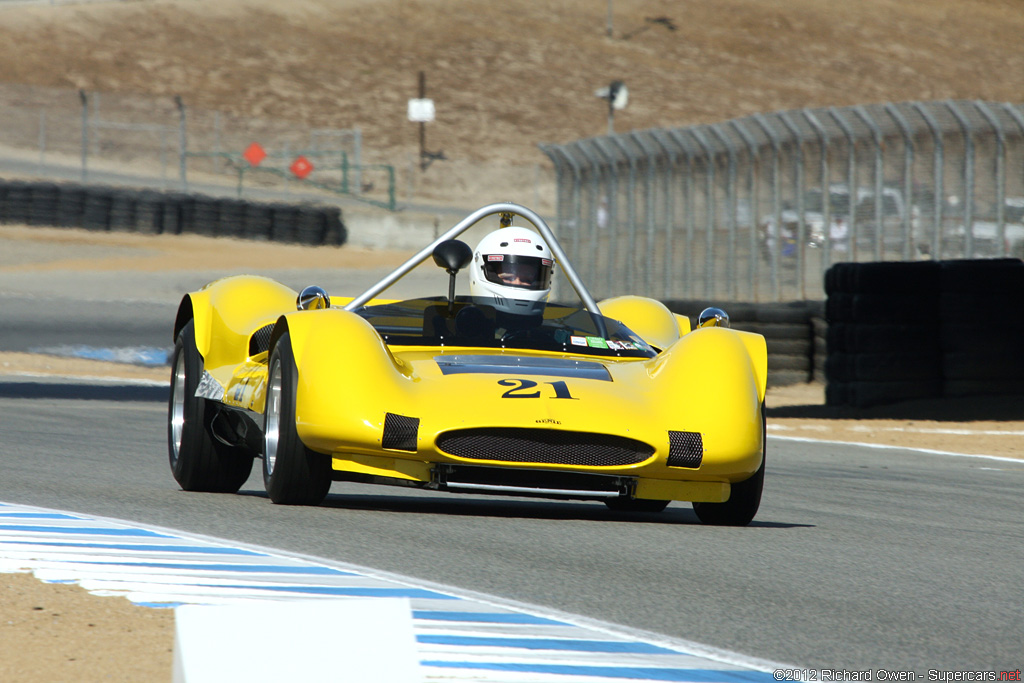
x=100, y=208
x=925, y=329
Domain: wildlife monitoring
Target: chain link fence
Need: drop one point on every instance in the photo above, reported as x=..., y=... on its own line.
x=111, y=138
x=758, y=208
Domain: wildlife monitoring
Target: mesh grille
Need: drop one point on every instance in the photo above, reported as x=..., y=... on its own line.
x=400, y=432
x=260, y=340
x=546, y=446
x=685, y=449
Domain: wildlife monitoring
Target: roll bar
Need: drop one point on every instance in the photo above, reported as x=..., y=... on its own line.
x=465, y=224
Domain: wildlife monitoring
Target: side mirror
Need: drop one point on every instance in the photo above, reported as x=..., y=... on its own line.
x=312, y=298
x=453, y=256
x=713, y=317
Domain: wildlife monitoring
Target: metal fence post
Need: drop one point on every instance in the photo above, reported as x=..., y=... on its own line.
x=709, y=212
x=595, y=227
x=630, y=211
x=1000, y=163
x=801, y=221
x=730, y=208
x=876, y=135
x=968, y=133
x=752, y=199
x=613, y=205
x=1018, y=118
x=670, y=211
x=938, y=189
x=182, y=143
x=85, y=135
x=826, y=188
x=690, y=218
x=851, y=175
x=651, y=155
x=908, y=178
x=775, y=251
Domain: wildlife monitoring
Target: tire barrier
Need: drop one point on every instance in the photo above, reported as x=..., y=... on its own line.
x=900, y=331
x=793, y=332
x=92, y=207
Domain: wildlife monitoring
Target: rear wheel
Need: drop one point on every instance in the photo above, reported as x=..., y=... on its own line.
x=198, y=462
x=292, y=473
x=744, y=499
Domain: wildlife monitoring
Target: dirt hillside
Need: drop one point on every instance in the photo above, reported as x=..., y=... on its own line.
x=508, y=75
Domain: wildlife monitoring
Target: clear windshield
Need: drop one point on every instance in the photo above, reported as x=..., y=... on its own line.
x=469, y=322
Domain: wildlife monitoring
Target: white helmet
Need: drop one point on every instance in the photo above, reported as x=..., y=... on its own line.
x=512, y=269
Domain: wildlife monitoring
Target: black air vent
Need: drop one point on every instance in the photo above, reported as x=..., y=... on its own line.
x=400, y=432
x=547, y=446
x=260, y=340
x=685, y=449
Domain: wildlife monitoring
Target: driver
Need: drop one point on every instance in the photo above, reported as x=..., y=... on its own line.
x=511, y=271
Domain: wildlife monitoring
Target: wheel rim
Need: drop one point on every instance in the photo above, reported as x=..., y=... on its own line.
x=272, y=426
x=177, y=406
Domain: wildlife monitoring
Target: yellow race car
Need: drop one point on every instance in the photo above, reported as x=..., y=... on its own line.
x=497, y=392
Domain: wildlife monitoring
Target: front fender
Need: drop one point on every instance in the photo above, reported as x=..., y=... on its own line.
x=347, y=378
x=720, y=377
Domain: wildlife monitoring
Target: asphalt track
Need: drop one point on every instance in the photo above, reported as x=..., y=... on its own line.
x=860, y=558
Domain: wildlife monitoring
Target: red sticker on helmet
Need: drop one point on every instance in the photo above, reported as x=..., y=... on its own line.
x=522, y=239
x=495, y=257
x=545, y=261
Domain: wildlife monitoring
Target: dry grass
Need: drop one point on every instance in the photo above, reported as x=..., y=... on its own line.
x=507, y=75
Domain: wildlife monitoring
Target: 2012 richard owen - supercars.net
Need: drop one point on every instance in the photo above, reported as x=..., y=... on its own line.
x=497, y=392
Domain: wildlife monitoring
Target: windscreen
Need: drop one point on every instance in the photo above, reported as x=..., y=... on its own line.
x=470, y=322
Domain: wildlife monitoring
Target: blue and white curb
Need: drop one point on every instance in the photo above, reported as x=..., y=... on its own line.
x=459, y=636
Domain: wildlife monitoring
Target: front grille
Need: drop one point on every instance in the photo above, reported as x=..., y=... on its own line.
x=685, y=449
x=544, y=446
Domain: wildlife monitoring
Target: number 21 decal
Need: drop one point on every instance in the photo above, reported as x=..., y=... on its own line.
x=521, y=389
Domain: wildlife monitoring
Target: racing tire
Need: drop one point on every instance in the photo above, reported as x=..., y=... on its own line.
x=636, y=505
x=744, y=498
x=198, y=462
x=292, y=473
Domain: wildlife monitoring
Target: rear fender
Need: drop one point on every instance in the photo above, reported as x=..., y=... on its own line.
x=225, y=312
x=649, y=318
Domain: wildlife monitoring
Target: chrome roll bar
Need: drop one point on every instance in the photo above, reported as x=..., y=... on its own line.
x=465, y=224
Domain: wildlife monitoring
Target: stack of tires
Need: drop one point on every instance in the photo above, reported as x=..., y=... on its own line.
x=924, y=329
x=883, y=327
x=150, y=212
x=982, y=334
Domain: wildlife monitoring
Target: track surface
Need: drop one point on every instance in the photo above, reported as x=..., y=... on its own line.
x=858, y=558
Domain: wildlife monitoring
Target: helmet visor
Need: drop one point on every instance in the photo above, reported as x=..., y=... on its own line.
x=524, y=272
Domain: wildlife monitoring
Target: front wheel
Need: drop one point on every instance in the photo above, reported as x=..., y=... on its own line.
x=744, y=499
x=292, y=473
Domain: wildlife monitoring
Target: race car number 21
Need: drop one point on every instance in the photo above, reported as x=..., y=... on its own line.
x=524, y=388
